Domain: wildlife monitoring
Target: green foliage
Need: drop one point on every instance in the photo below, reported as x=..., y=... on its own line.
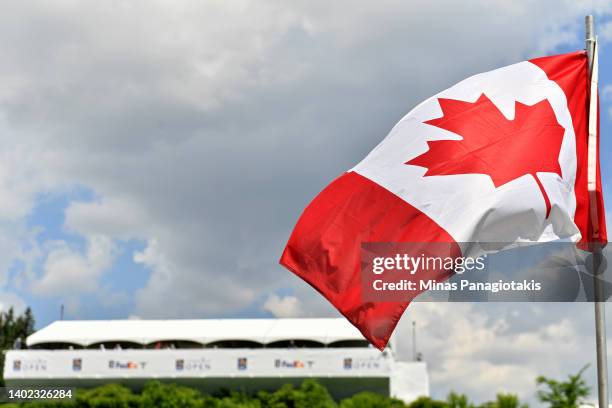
x=563, y=394
x=12, y=328
x=309, y=394
x=455, y=400
x=107, y=396
x=156, y=394
x=505, y=401
x=371, y=400
x=427, y=402
x=281, y=398
x=313, y=394
x=234, y=400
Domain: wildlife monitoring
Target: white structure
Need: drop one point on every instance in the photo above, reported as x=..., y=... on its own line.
x=244, y=354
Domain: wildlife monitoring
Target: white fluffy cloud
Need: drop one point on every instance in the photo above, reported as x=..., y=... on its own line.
x=284, y=306
x=69, y=272
x=605, y=32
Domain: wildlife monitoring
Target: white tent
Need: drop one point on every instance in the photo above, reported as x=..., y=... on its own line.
x=265, y=331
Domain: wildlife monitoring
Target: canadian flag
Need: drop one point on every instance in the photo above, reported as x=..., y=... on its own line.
x=502, y=156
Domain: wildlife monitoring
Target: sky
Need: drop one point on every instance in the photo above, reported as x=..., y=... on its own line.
x=155, y=155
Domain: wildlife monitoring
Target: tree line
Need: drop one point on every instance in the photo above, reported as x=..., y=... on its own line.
x=310, y=394
x=14, y=328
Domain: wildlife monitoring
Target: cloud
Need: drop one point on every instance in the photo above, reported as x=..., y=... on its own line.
x=8, y=300
x=222, y=293
x=68, y=272
x=114, y=217
x=606, y=95
x=285, y=306
x=605, y=32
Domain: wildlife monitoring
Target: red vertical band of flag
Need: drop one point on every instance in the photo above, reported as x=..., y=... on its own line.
x=570, y=72
x=325, y=247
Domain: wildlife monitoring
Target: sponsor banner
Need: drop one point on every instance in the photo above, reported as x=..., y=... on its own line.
x=196, y=363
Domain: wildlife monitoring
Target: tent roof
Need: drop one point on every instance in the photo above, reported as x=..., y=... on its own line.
x=86, y=332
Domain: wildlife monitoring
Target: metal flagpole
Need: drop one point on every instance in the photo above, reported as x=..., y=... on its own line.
x=600, y=318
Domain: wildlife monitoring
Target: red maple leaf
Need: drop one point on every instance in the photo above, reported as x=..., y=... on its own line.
x=493, y=145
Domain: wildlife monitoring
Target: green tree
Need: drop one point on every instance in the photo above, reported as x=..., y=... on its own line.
x=284, y=397
x=313, y=394
x=563, y=394
x=371, y=400
x=107, y=396
x=427, y=402
x=455, y=400
x=160, y=395
x=310, y=394
x=234, y=400
x=13, y=328
x=505, y=401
